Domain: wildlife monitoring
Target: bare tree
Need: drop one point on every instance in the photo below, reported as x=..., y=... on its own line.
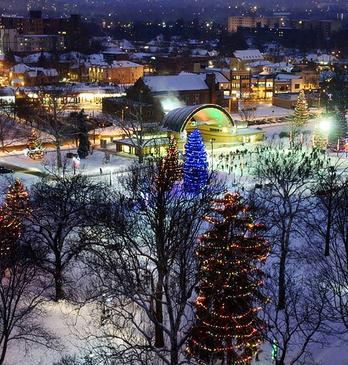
x=328, y=192
x=299, y=325
x=10, y=130
x=48, y=112
x=143, y=263
x=22, y=294
x=61, y=210
x=287, y=176
x=139, y=133
x=247, y=113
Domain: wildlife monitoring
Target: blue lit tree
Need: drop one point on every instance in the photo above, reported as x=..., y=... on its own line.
x=195, y=164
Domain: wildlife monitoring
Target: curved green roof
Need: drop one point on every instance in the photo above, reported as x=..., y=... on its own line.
x=214, y=115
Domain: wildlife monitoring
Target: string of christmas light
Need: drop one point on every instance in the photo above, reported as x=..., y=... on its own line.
x=195, y=164
x=170, y=170
x=230, y=254
x=35, y=147
x=12, y=213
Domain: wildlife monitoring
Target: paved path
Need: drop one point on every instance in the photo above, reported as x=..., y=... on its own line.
x=24, y=170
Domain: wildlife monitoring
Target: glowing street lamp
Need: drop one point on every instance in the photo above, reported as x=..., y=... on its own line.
x=325, y=124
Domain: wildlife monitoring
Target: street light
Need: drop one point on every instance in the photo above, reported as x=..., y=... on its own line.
x=212, y=140
x=325, y=124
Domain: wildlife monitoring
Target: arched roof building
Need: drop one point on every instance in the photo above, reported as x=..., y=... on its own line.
x=207, y=114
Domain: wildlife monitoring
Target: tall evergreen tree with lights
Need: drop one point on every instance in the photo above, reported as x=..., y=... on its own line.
x=195, y=164
x=339, y=128
x=170, y=170
x=35, y=148
x=12, y=213
x=227, y=328
x=301, y=113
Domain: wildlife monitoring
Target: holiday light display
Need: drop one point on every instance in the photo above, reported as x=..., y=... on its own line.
x=226, y=327
x=339, y=128
x=14, y=209
x=301, y=113
x=170, y=169
x=35, y=150
x=195, y=164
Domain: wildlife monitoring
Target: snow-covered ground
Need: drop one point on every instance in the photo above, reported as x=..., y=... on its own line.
x=68, y=323
x=63, y=318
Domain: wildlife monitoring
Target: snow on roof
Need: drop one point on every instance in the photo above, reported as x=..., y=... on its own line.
x=20, y=68
x=175, y=83
x=248, y=55
x=124, y=64
x=71, y=56
x=199, y=52
x=285, y=77
x=96, y=59
x=259, y=63
x=139, y=55
x=18, y=59
x=49, y=72
x=35, y=57
x=114, y=50
x=219, y=77
x=126, y=44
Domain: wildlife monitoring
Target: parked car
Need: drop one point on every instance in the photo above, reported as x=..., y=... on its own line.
x=5, y=170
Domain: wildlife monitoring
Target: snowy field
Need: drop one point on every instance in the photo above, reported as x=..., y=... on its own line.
x=65, y=320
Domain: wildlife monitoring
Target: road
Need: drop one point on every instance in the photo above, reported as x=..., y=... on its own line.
x=24, y=170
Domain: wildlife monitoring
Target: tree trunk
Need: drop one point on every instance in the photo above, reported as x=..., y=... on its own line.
x=141, y=155
x=282, y=272
x=58, y=279
x=59, y=156
x=159, y=339
x=174, y=354
x=3, y=350
x=328, y=230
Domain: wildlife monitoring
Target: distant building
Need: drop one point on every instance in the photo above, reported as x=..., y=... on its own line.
x=242, y=57
x=35, y=33
x=184, y=89
x=288, y=83
x=23, y=75
x=118, y=72
x=157, y=95
x=236, y=22
x=325, y=27
x=27, y=43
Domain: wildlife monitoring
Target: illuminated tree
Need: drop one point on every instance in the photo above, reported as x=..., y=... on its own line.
x=339, y=127
x=227, y=328
x=170, y=169
x=35, y=148
x=195, y=164
x=301, y=113
x=12, y=213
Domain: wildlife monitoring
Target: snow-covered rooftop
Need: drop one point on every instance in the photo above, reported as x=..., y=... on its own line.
x=124, y=64
x=285, y=77
x=175, y=83
x=248, y=55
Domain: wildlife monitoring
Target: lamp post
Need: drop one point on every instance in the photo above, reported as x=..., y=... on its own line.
x=212, y=140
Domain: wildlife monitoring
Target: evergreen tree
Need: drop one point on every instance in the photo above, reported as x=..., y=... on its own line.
x=170, y=170
x=12, y=213
x=195, y=163
x=227, y=328
x=301, y=114
x=339, y=128
x=35, y=148
x=84, y=145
